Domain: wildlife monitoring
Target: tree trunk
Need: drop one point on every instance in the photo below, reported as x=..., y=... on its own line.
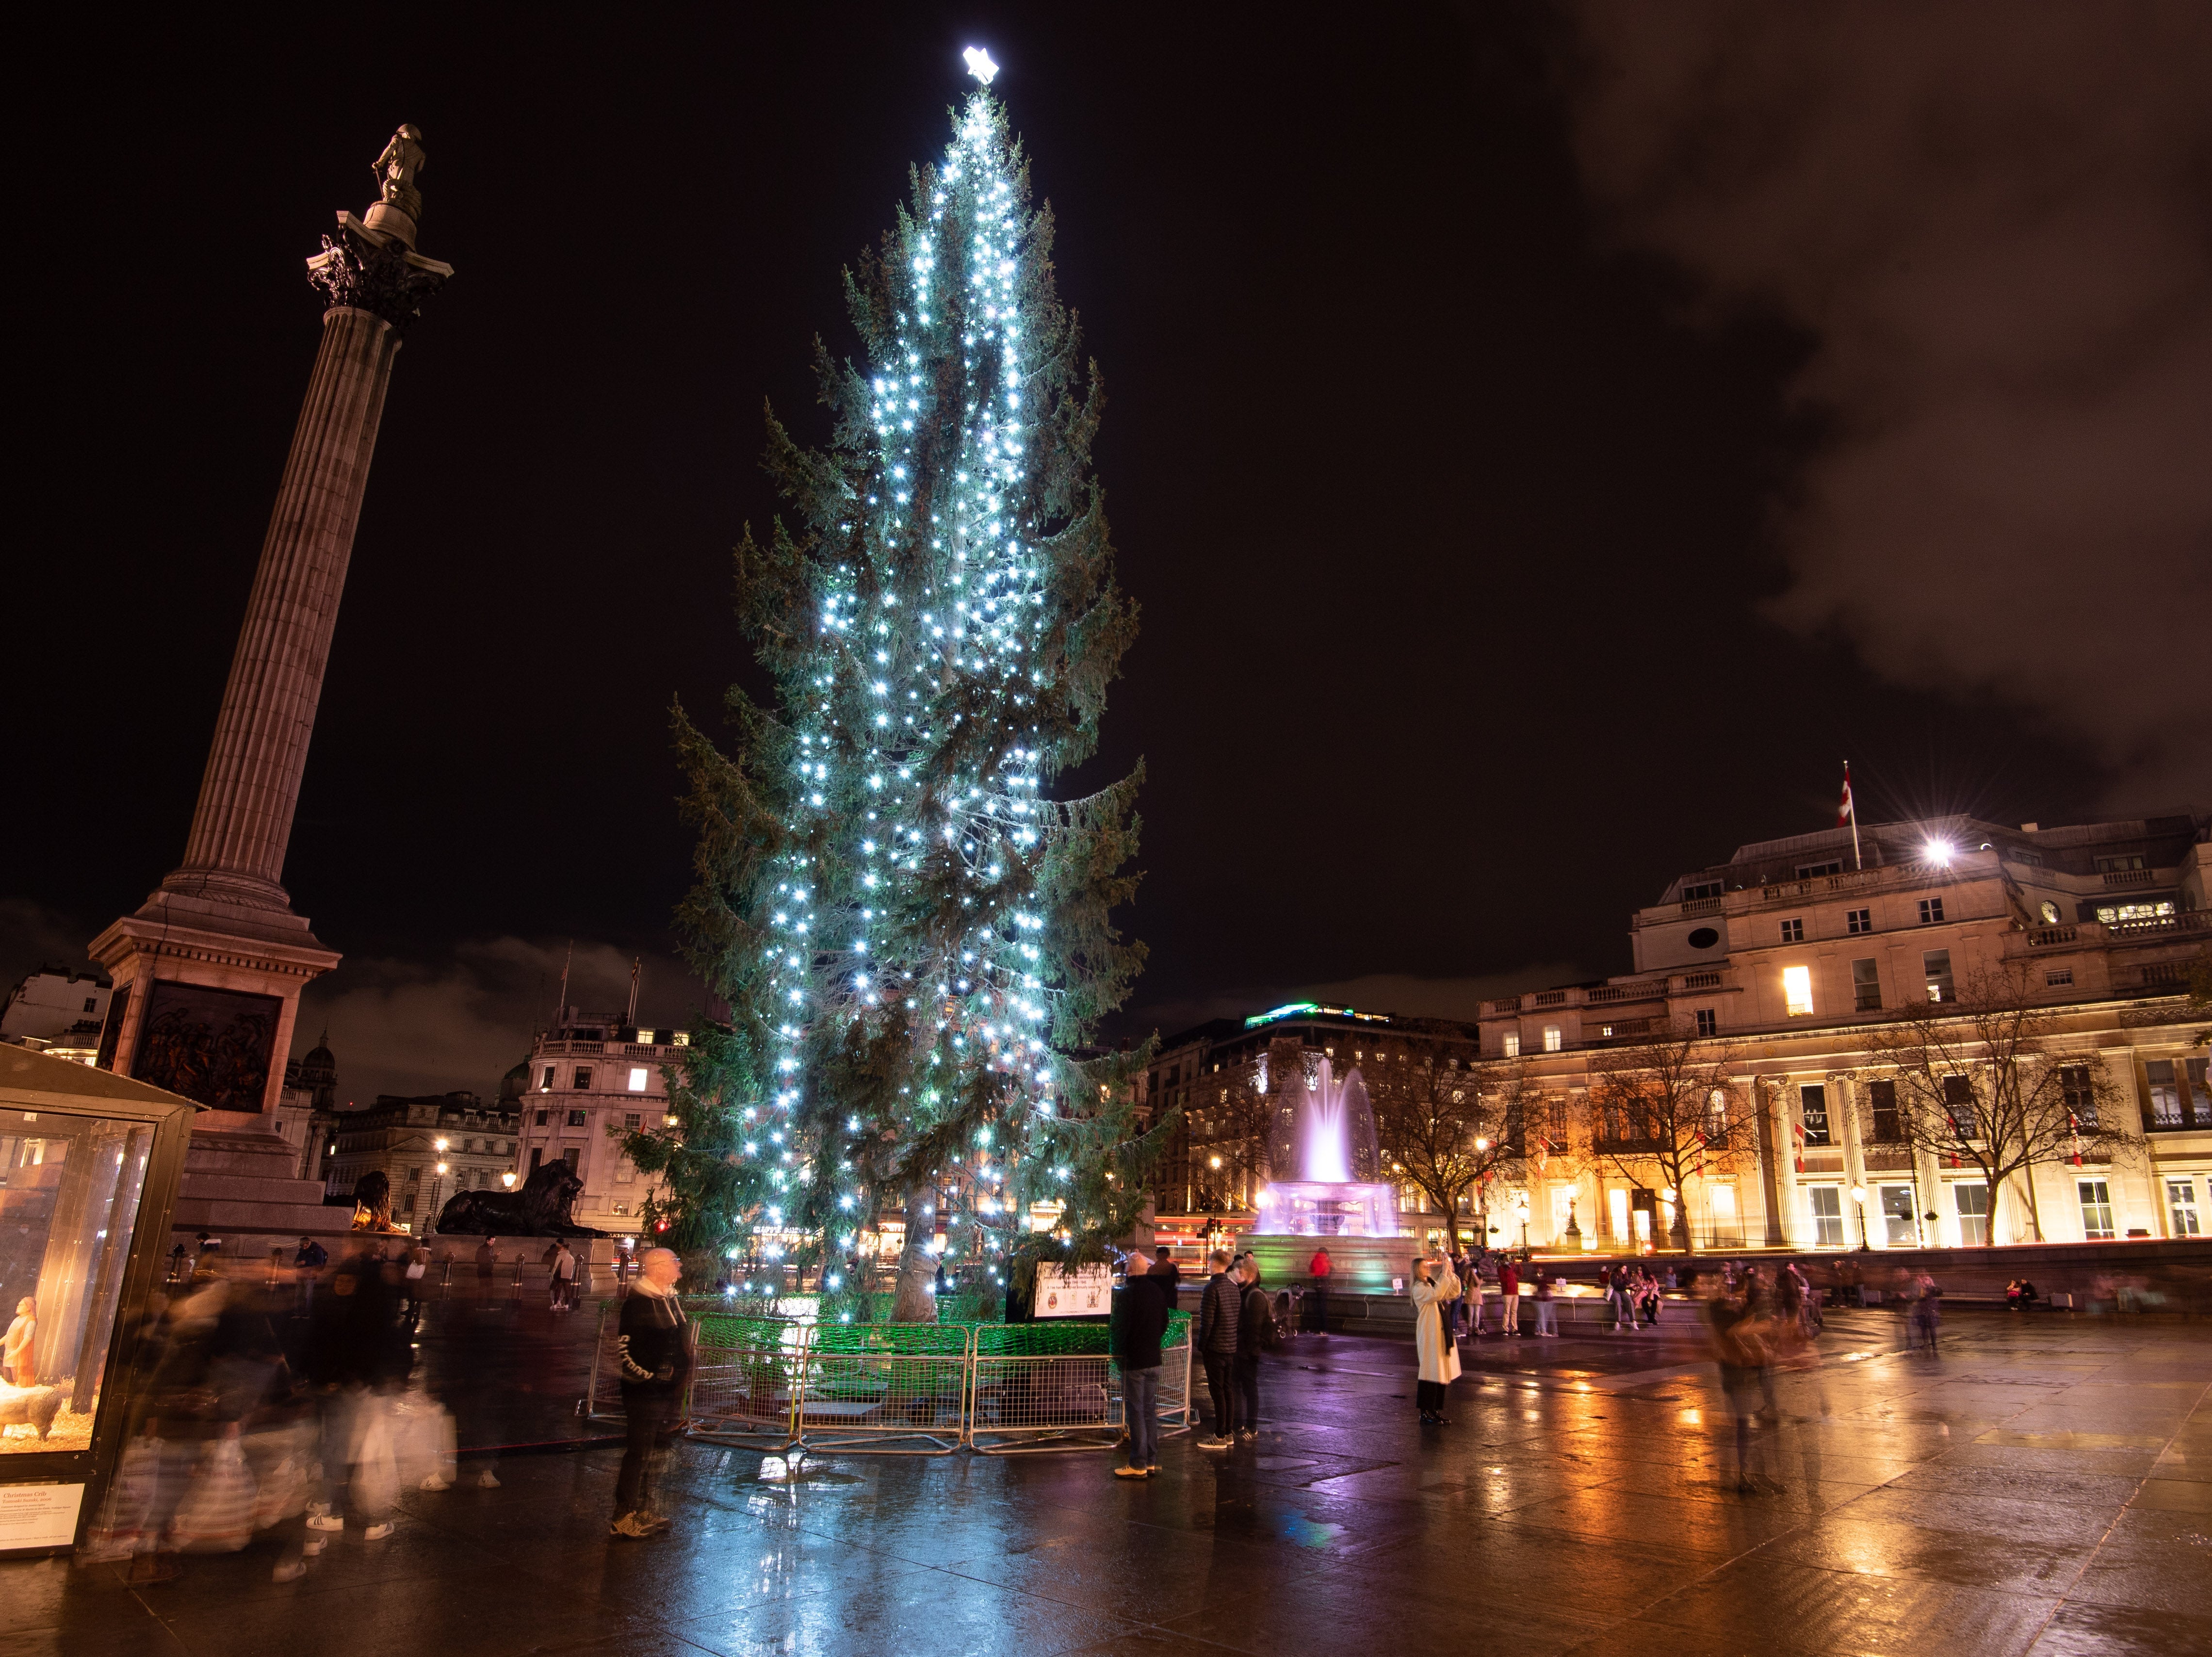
x=911, y=1299
x=2034, y=1209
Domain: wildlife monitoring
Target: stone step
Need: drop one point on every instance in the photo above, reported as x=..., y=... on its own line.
x=244, y=1188
x=230, y=1218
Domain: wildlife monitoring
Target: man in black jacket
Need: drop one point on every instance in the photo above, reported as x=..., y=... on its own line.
x=1140, y=1317
x=654, y=1352
x=1220, y=1310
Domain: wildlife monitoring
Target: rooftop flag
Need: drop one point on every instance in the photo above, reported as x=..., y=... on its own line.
x=1847, y=812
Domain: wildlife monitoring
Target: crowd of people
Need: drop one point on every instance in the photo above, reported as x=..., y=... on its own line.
x=279, y=1405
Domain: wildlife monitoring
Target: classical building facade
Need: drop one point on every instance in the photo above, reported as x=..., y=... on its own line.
x=429, y=1148
x=589, y=1080
x=1794, y=954
x=1788, y=970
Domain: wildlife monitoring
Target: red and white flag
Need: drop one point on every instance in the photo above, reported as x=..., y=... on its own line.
x=1797, y=1144
x=1843, y=812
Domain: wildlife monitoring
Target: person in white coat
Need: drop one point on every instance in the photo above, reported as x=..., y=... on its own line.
x=1433, y=1288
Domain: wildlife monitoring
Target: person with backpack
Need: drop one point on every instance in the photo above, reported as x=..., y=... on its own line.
x=1255, y=1334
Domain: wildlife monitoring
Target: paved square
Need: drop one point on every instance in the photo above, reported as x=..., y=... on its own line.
x=2043, y=1485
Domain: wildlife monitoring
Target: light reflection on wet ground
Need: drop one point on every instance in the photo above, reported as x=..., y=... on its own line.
x=2042, y=1485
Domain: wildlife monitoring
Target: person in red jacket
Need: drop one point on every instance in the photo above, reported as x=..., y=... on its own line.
x=1318, y=1270
x=1509, y=1297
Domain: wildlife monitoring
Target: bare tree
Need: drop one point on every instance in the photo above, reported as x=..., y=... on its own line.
x=1977, y=1085
x=1445, y=1129
x=1667, y=1108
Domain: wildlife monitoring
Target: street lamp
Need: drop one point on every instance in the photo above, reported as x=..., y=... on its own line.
x=1520, y=1213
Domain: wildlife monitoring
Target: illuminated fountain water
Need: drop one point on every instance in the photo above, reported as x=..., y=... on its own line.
x=1325, y=1132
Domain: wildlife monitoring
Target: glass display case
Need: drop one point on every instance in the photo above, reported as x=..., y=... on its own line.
x=89, y=1163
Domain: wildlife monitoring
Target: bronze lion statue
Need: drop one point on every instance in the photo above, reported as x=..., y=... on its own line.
x=539, y=1208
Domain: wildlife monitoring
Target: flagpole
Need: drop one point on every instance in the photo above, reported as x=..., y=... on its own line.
x=1857, y=862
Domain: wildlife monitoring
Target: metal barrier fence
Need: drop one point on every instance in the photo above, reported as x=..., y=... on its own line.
x=905, y=1394
x=746, y=1379
x=900, y=1389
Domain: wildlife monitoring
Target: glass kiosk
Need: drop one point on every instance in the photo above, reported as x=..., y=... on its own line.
x=90, y=1164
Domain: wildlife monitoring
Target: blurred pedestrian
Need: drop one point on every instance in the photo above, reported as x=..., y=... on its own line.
x=560, y=1285
x=1165, y=1256
x=1927, y=1310
x=1432, y=1289
x=1547, y=1309
x=308, y=1262
x=357, y=1353
x=1220, y=1314
x=1734, y=1326
x=654, y=1347
x=1255, y=1334
x=1317, y=1270
x=1140, y=1319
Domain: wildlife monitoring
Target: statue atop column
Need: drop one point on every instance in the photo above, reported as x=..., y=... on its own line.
x=397, y=169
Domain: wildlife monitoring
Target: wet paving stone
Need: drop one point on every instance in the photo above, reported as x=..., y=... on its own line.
x=2043, y=1489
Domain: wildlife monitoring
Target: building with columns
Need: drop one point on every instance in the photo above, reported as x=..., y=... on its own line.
x=590, y=1079
x=1787, y=962
x=429, y=1148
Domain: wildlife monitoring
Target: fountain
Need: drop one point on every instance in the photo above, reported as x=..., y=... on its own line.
x=1324, y=1130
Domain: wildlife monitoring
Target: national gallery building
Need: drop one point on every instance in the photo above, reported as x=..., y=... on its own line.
x=1820, y=990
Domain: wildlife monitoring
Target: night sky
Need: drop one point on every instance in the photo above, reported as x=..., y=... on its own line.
x=1545, y=444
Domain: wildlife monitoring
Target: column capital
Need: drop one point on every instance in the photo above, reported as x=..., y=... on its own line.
x=373, y=271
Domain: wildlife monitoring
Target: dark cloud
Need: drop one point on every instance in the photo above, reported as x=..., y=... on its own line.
x=1995, y=222
x=463, y=1019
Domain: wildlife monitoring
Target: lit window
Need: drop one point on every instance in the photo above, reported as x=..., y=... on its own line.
x=1936, y=970
x=1931, y=911
x=1512, y=1044
x=1827, y=1202
x=1551, y=1038
x=545, y=1082
x=1793, y=931
x=2080, y=1094
x=1813, y=1111
x=645, y=1038
x=2096, y=1209
x=2110, y=912
x=637, y=1074
x=1858, y=920
x=1797, y=990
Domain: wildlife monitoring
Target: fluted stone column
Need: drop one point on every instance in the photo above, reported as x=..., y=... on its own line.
x=251, y=785
x=207, y=972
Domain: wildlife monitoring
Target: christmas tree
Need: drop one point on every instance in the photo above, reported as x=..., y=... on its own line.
x=914, y=935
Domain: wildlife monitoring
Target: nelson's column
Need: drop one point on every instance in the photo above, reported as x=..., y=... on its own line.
x=207, y=973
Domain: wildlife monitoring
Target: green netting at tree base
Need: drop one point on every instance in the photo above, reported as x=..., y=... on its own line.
x=892, y=1340
x=1057, y=1339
